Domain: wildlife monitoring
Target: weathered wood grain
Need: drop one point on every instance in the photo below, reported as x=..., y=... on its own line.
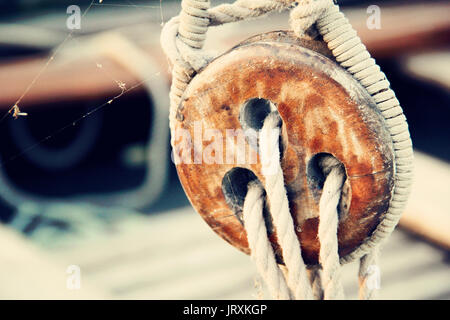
x=323, y=109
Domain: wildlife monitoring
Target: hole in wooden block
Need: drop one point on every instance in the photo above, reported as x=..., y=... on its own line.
x=317, y=170
x=235, y=187
x=254, y=111
x=252, y=115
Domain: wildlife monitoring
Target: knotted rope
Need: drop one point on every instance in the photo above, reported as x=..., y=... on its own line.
x=182, y=39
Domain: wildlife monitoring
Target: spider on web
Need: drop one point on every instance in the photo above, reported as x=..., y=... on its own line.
x=16, y=113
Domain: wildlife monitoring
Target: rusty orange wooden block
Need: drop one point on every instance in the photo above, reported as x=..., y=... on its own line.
x=324, y=110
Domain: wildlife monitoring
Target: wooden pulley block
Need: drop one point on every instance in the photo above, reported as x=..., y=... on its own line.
x=324, y=112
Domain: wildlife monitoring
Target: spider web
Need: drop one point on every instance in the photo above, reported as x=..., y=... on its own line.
x=17, y=110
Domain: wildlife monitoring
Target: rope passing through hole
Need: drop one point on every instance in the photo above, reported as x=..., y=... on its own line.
x=182, y=39
x=261, y=251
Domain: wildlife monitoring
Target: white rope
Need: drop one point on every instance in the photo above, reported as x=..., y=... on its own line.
x=279, y=208
x=260, y=247
x=245, y=9
x=328, y=226
x=352, y=54
x=367, y=275
x=182, y=40
x=315, y=278
x=302, y=284
x=306, y=13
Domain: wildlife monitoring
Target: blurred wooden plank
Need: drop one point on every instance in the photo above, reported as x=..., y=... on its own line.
x=431, y=282
x=432, y=67
x=404, y=27
x=29, y=273
x=177, y=256
x=428, y=210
